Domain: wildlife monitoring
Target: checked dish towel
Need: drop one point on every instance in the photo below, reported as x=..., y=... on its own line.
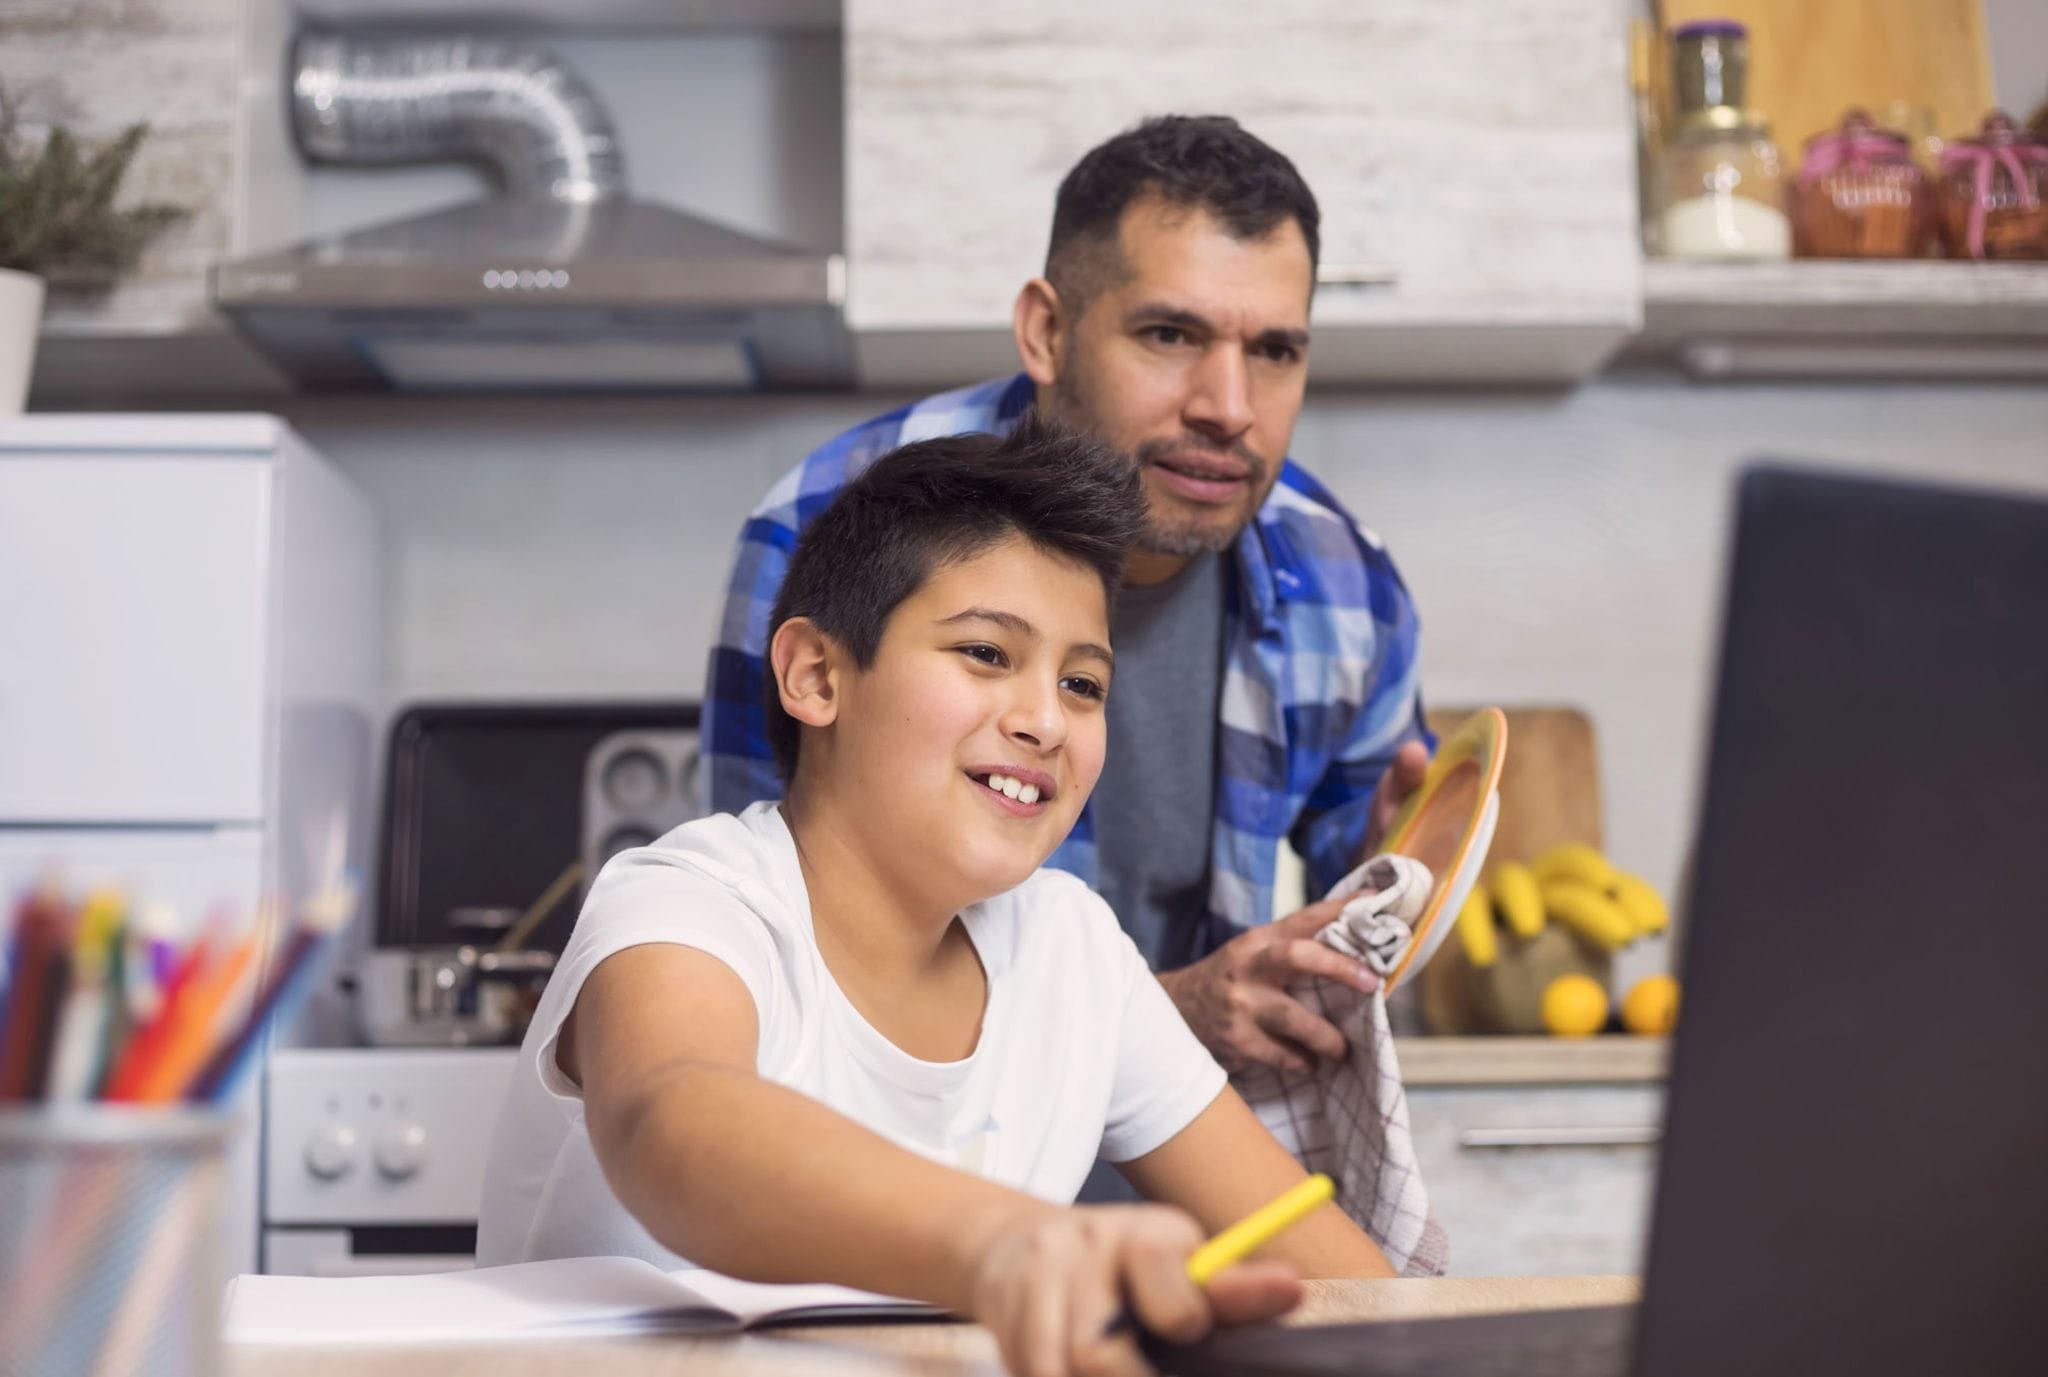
x=1350, y=1118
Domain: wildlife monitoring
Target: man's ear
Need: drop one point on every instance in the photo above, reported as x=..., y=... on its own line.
x=1040, y=323
x=806, y=663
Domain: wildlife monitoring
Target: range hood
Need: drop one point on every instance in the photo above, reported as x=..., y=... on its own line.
x=564, y=281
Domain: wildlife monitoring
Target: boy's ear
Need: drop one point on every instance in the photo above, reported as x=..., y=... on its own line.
x=806, y=663
x=1039, y=321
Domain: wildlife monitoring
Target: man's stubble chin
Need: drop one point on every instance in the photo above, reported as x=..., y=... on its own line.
x=1165, y=533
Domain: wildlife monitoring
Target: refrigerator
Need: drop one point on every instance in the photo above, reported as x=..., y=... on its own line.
x=190, y=668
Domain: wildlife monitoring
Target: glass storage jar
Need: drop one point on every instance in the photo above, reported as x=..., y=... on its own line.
x=1722, y=187
x=1859, y=194
x=1994, y=193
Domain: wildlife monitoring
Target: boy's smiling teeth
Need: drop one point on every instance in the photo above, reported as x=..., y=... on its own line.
x=1012, y=788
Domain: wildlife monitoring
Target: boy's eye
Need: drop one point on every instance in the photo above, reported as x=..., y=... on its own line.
x=1084, y=686
x=986, y=654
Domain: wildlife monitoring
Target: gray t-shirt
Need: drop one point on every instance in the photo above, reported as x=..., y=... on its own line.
x=1155, y=805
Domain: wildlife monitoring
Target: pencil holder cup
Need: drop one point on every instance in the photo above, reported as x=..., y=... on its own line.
x=110, y=1241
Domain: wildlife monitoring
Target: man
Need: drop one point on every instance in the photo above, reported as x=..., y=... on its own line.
x=1267, y=671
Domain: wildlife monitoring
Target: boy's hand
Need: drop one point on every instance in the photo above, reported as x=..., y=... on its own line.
x=1049, y=1285
x=1236, y=1001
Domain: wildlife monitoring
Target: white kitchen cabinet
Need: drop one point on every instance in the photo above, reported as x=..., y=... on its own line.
x=190, y=670
x=170, y=579
x=1539, y=1180
x=135, y=680
x=1476, y=157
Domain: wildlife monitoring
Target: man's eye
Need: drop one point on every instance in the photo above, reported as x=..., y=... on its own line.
x=1084, y=686
x=1167, y=334
x=986, y=654
x=1280, y=353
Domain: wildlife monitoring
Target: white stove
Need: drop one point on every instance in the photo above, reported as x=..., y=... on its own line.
x=373, y=1158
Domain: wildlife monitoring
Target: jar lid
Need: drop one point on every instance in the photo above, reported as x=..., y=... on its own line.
x=2000, y=131
x=1858, y=125
x=1711, y=28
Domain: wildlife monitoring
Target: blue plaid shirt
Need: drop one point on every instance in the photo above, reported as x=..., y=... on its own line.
x=1320, y=676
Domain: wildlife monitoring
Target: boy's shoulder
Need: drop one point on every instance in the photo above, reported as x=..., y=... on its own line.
x=745, y=856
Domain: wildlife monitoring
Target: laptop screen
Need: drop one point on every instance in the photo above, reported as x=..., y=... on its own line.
x=1855, y=1176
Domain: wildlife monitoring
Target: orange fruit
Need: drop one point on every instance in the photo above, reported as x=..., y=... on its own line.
x=1651, y=1006
x=1574, y=1006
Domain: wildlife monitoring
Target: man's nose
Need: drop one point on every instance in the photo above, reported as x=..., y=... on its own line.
x=1219, y=402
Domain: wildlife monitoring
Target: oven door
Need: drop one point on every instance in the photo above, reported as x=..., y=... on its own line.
x=374, y=1157
x=370, y=1252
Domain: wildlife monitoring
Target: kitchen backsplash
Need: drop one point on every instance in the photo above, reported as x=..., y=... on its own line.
x=1564, y=548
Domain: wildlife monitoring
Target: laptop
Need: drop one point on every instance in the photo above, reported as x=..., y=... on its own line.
x=1854, y=1176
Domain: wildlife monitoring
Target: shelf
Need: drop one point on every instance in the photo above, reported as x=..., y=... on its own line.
x=1824, y=318
x=583, y=18
x=120, y=369
x=1613, y=1059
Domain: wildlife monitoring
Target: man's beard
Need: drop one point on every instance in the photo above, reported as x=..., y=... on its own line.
x=1163, y=534
x=1185, y=537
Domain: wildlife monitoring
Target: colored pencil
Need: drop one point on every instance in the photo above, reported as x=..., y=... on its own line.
x=194, y=1023
x=81, y=1031
x=37, y=949
x=147, y=1045
x=216, y=1080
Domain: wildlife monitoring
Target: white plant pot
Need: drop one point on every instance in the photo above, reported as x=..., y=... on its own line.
x=21, y=320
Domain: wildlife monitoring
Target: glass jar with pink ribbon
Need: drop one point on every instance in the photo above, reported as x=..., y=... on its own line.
x=1994, y=193
x=1859, y=194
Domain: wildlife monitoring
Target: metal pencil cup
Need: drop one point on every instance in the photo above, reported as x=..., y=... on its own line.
x=110, y=1241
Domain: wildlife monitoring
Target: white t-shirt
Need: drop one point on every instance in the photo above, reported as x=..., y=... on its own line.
x=1081, y=1052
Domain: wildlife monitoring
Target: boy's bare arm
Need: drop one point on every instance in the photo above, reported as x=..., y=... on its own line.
x=748, y=1177
x=1225, y=1164
x=756, y=1180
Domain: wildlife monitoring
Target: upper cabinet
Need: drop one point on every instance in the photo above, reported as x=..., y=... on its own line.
x=181, y=69
x=98, y=69
x=1473, y=164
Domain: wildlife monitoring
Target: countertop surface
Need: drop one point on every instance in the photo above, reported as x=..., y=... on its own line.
x=1614, y=1059
x=927, y=1350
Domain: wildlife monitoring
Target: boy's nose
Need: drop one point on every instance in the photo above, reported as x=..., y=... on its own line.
x=1034, y=719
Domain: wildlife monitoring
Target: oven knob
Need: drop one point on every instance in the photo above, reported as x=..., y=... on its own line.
x=401, y=1150
x=331, y=1151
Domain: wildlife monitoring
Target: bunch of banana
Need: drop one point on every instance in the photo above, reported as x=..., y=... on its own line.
x=1572, y=884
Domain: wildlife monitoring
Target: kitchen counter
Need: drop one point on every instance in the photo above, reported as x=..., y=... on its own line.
x=929, y=1350
x=1615, y=1059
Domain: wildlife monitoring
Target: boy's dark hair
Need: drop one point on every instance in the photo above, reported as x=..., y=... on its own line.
x=1197, y=161
x=936, y=502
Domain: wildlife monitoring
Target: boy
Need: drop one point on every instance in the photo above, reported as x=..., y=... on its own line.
x=860, y=1036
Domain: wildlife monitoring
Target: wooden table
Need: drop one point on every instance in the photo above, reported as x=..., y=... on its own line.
x=923, y=1350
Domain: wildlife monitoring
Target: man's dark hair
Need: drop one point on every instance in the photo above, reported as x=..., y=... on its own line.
x=1205, y=162
x=937, y=502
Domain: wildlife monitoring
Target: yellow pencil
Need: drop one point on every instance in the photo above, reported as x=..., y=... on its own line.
x=1246, y=1237
x=1259, y=1228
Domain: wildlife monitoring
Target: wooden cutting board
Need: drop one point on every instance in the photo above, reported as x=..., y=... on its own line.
x=1549, y=783
x=1549, y=793
x=1811, y=60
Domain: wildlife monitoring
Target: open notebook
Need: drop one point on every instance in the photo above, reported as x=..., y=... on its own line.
x=568, y=1297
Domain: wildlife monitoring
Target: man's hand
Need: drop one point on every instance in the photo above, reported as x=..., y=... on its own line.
x=1402, y=778
x=1236, y=998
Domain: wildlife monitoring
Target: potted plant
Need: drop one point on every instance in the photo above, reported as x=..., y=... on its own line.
x=59, y=226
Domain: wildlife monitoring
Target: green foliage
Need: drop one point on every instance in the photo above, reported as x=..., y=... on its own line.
x=57, y=213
